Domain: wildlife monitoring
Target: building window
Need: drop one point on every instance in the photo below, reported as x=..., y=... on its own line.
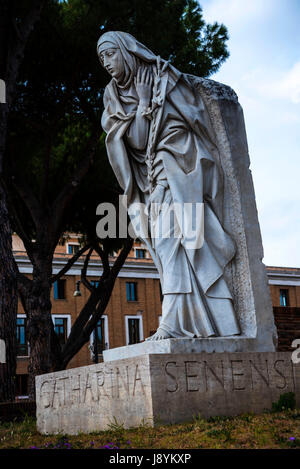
x=134, y=329
x=284, y=298
x=101, y=334
x=94, y=283
x=140, y=253
x=99, y=337
x=59, y=289
x=131, y=291
x=22, y=386
x=61, y=329
x=22, y=345
x=73, y=248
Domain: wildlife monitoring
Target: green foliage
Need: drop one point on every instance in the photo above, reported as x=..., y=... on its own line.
x=117, y=428
x=58, y=106
x=286, y=401
x=294, y=442
x=205, y=44
x=267, y=430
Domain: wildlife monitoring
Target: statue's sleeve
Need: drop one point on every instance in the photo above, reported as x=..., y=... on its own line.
x=107, y=120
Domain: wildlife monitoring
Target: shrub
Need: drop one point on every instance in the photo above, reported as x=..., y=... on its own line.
x=286, y=401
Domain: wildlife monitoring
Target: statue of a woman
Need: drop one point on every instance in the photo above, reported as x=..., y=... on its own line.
x=162, y=149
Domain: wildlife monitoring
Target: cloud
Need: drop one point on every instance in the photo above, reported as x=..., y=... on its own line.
x=264, y=70
x=287, y=87
x=234, y=12
x=283, y=253
x=281, y=244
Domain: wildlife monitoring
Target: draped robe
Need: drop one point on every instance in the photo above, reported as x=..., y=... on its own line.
x=196, y=299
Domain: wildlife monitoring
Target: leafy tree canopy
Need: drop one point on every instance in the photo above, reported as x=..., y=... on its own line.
x=57, y=113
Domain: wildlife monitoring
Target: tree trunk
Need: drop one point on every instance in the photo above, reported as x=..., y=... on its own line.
x=8, y=270
x=38, y=306
x=92, y=311
x=8, y=302
x=11, y=56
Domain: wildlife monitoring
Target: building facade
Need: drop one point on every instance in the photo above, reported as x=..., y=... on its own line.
x=134, y=309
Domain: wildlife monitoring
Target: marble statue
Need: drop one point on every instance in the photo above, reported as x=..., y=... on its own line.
x=162, y=148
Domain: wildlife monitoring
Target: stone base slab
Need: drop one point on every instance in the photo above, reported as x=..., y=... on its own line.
x=186, y=345
x=162, y=388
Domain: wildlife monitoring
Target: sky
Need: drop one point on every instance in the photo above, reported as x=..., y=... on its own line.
x=264, y=70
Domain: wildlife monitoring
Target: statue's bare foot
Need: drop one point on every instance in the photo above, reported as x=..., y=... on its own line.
x=160, y=334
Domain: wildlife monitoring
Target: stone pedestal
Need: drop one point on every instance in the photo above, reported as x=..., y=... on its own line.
x=162, y=388
x=186, y=345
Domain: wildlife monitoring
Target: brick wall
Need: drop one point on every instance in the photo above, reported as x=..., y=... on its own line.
x=148, y=305
x=287, y=321
x=293, y=292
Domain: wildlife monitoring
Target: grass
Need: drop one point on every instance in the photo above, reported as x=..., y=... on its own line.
x=265, y=431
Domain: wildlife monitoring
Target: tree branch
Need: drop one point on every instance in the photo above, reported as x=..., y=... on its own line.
x=65, y=196
x=70, y=263
x=104, y=258
x=108, y=286
x=88, y=110
x=93, y=309
x=24, y=285
x=119, y=262
x=17, y=221
x=30, y=200
x=17, y=48
x=84, y=280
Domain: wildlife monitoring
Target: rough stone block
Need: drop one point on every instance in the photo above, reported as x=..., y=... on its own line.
x=246, y=275
x=162, y=388
x=185, y=345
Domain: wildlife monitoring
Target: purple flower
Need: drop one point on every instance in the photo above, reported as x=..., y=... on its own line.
x=292, y=438
x=33, y=447
x=109, y=446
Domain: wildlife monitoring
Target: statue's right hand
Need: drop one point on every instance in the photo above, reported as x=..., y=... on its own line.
x=143, y=84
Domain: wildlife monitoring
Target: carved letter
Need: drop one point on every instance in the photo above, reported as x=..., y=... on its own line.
x=280, y=374
x=234, y=387
x=100, y=377
x=219, y=380
x=187, y=376
x=264, y=378
x=137, y=377
x=87, y=387
x=175, y=384
x=55, y=391
x=43, y=393
x=76, y=388
x=125, y=383
x=63, y=379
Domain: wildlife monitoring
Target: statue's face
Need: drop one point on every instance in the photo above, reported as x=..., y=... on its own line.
x=112, y=61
